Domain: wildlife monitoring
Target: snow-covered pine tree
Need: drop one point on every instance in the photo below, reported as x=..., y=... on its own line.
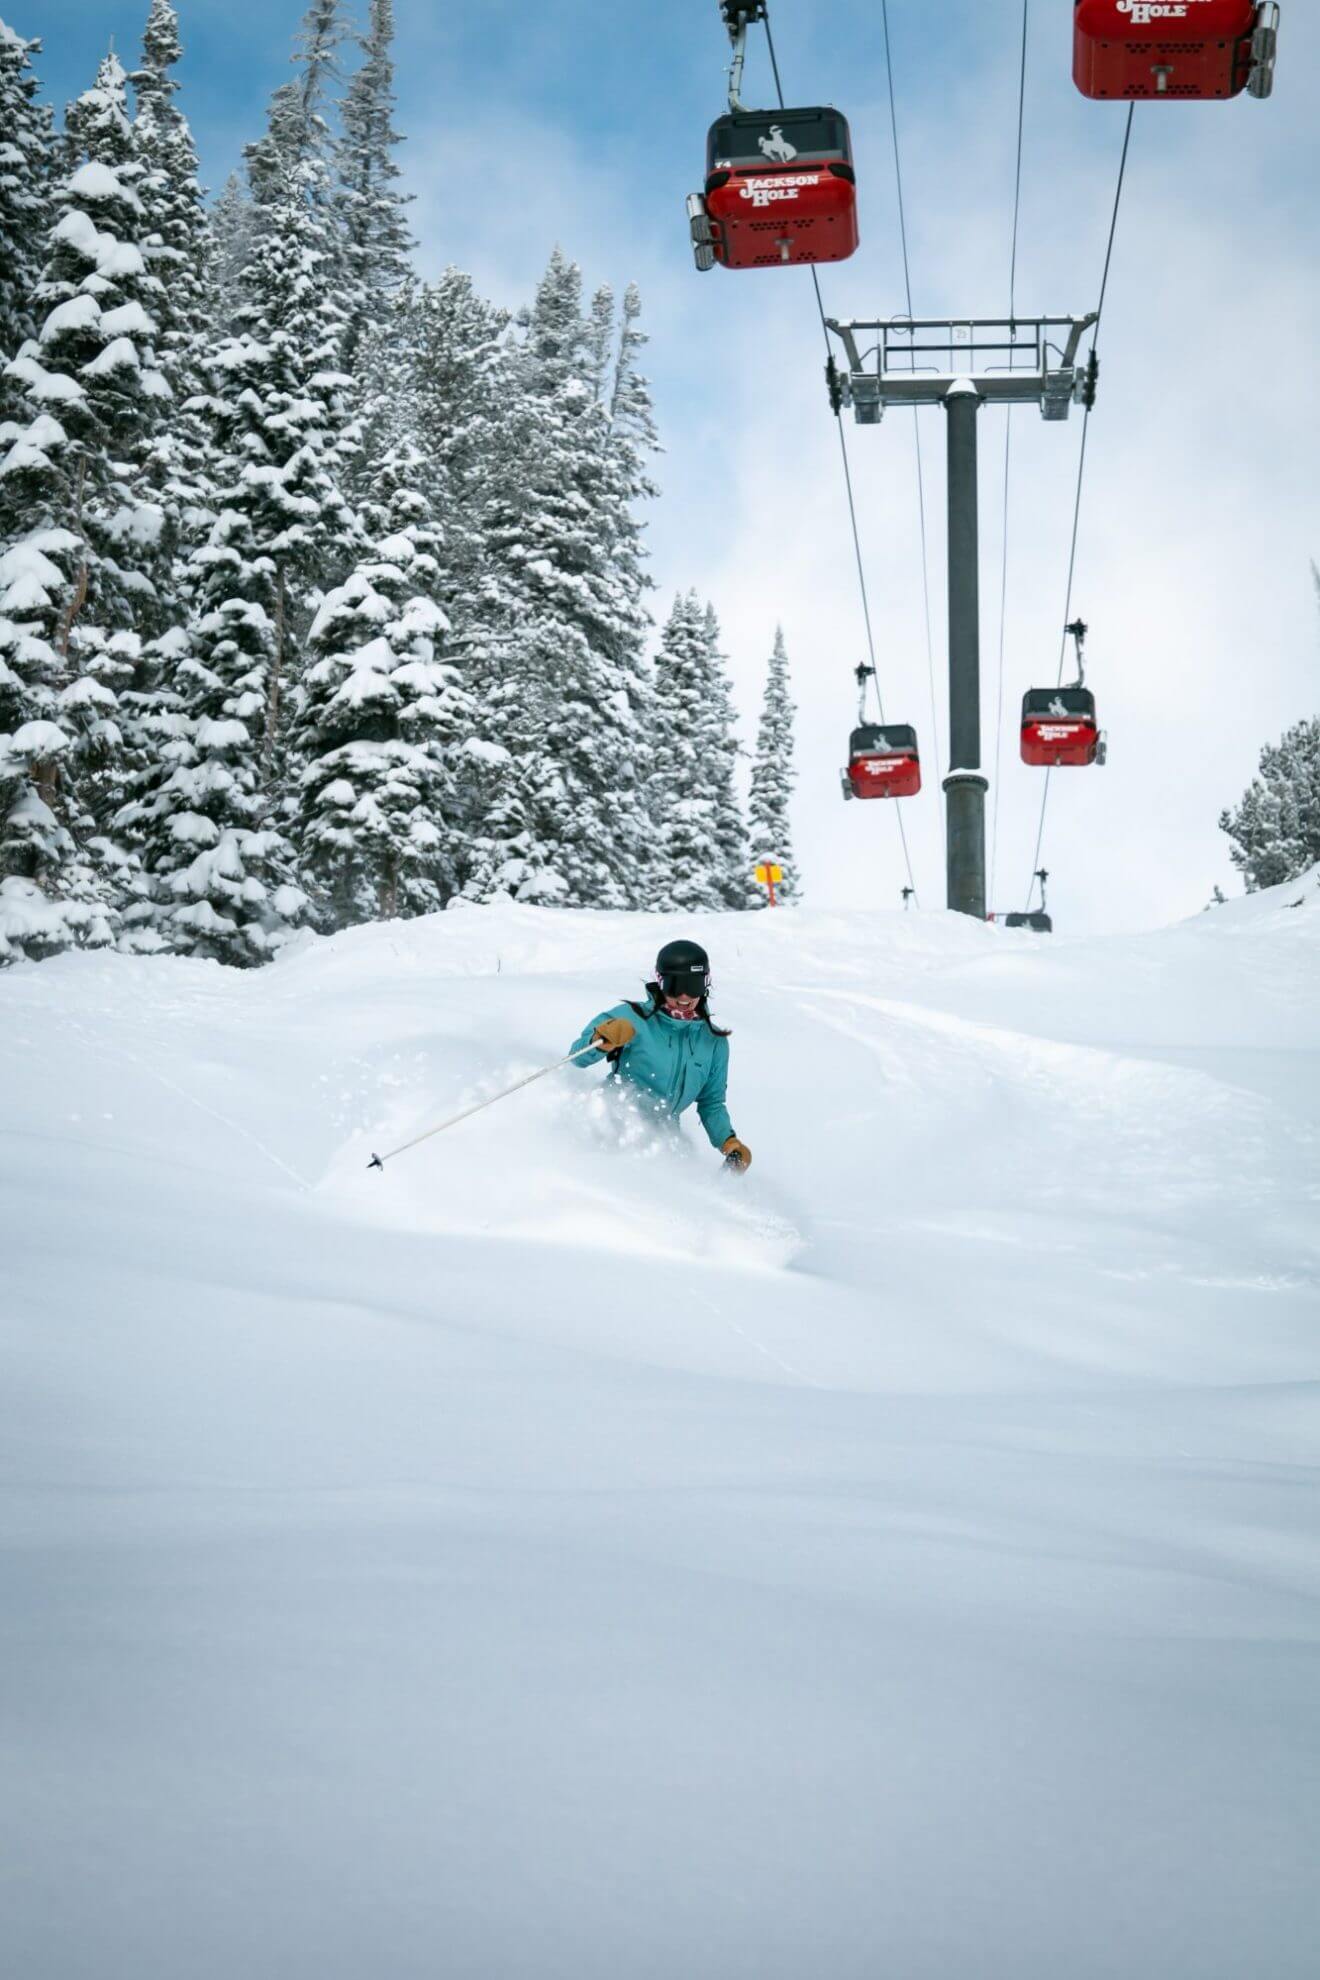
x=76, y=532
x=294, y=302
x=569, y=820
x=231, y=249
x=281, y=402
x=682, y=874
x=691, y=787
x=625, y=484
x=52, y=894
x=451, y=368
x=177, y=244
x=103, y=297
x=599, y=340
x=26, y=167
x=380, y=721
x=218, y=863
x=513, y=649
x=384, y=721
x=458, y=370
x=633, y=434
x=385, y=414
x=730, y=858
x=277, y=405
x=773, y=776
x=322, y=34
x=377, y=244
x=1275, y=830
x=219, y=867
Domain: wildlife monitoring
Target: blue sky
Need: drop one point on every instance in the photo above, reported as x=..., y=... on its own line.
x=583, y=121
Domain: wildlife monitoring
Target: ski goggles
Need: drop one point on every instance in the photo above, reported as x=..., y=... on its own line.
x=692, y=981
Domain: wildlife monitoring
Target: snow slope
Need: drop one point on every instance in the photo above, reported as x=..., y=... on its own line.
x=551, y=1558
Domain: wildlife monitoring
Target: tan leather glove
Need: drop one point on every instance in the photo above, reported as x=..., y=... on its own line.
x=614, y=1034
x=737, y=1151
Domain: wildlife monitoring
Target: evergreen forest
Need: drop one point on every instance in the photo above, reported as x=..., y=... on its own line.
x=323, y=581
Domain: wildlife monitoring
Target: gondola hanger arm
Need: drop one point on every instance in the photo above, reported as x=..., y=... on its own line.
x=1077, y=629
x=738, y=16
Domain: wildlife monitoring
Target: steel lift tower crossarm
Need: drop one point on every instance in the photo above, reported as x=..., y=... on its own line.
x=1010, y=361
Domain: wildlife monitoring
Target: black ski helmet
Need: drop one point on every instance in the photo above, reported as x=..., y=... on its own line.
x=682, y=969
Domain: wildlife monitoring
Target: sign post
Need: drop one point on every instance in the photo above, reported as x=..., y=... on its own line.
x=770, y=876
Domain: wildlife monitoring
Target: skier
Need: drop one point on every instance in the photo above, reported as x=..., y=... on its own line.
x=669, y=1048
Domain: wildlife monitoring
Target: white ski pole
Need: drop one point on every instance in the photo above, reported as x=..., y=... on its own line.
x=379, y=1161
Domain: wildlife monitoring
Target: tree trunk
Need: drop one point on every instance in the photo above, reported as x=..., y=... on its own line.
x=276, y=675
x=78, y=596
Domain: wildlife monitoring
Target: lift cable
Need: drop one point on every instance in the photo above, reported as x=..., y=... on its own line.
x=1017, y=184
x=1081, y=471
x=852, y=506
x=916, y=423
x=1008, y=442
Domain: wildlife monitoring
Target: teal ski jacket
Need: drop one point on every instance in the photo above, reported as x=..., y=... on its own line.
x=679, y=1062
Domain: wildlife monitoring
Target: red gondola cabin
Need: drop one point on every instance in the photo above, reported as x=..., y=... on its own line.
x=780, y=189
x=1139, y=49
x=1059, y=727
x=882, y=762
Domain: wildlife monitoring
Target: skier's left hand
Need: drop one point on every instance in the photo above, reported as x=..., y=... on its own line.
x=737, y=1151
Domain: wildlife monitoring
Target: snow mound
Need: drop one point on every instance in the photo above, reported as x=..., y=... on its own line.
x=551, y=1556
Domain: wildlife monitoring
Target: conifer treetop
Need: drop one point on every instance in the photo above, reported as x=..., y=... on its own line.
x=773, y=775
x=162, y=48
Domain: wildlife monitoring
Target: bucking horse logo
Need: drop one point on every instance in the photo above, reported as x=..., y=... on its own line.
x=777, y=147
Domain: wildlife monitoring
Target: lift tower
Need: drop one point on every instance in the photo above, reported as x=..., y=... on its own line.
x=963, y=365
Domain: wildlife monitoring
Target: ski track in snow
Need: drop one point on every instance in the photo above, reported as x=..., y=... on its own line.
x=553, y=1558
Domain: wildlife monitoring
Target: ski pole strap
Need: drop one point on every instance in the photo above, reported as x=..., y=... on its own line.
x=379, y=1161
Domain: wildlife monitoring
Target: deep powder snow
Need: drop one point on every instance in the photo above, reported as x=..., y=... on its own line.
x=551, y=1558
